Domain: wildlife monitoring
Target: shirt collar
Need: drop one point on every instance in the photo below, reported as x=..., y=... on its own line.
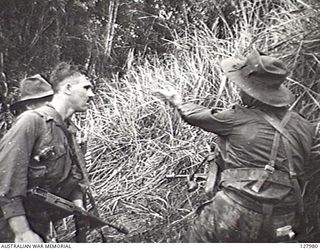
x=72, y=127
x=52, y=114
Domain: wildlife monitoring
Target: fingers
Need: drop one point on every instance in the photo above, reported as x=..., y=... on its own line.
x=170, y=94
x=79, y=204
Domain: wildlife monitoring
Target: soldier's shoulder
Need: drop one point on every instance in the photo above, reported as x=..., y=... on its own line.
x=27, y=121
x=302, y=122
x=30, y=117
x=28, y=114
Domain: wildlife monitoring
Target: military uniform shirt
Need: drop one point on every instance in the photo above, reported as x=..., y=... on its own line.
x=19, y=166
x=245, y=137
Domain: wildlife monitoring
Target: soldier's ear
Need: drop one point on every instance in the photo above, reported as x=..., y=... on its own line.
x=67, y=88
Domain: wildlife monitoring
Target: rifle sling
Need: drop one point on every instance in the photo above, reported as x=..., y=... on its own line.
x=79, y=161
x=75, y=151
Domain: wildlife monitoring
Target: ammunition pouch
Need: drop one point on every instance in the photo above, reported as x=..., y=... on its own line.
x=37, y=172
x=42, y=169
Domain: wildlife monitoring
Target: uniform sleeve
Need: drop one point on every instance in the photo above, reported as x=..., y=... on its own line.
x=15, y=152
x=196, y=115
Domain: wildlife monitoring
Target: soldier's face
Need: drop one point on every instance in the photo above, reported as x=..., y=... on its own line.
x=80, y=93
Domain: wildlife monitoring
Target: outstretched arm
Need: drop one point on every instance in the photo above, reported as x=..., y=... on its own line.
x=200, y=116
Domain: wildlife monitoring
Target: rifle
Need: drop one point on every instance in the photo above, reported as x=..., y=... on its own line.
x=65, y=208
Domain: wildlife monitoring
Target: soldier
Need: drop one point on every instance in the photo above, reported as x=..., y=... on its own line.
x=260, y=157
x=36, y=152
x=35, y=91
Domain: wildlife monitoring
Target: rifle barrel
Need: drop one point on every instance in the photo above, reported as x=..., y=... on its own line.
x=97, y=222
x=69, y=208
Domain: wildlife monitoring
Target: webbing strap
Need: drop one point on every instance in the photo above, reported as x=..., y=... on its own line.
x=289, y=157
x=269, y=168
x=293, y=175
x=274, y=149
x=279, y=126
x=286, y=138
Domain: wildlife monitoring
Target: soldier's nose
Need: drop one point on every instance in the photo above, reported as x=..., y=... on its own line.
x=90, y=93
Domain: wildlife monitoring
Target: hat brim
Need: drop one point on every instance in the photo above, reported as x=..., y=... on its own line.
x=29, y=98
x=277, y=97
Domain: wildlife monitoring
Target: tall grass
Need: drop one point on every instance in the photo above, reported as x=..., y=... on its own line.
x=136, y=139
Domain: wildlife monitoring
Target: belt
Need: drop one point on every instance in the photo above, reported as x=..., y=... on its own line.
x=253, y=174
x=258, y=207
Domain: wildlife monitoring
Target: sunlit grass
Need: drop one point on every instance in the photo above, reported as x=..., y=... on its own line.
x=136, y=139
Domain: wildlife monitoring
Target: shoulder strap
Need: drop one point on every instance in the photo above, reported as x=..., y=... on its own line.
x=279, y=125
x=293, y=175
x=269, y=168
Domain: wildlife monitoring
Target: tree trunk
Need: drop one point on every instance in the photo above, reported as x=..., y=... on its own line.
x=112, y=16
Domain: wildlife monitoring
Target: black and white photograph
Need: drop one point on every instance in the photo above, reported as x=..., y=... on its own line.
x=159, y=121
